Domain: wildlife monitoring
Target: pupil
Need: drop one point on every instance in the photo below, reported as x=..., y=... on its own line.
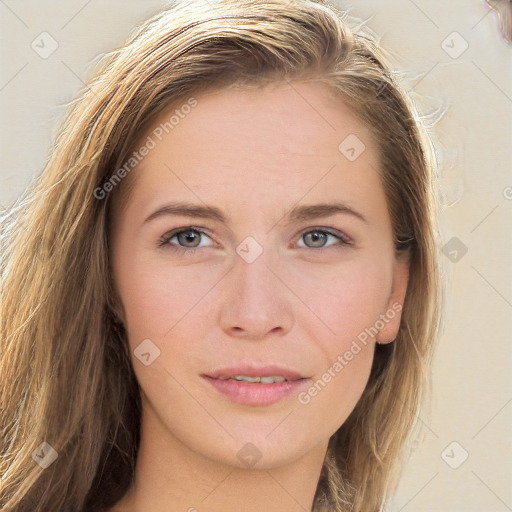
x=189, y=237
x=316, y=236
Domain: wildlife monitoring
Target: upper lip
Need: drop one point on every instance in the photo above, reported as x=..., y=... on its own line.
x=268, y=370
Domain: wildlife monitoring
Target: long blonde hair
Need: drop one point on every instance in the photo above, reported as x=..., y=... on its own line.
x=67, y=378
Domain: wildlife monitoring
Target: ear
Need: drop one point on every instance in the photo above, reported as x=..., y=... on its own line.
x=392, y=315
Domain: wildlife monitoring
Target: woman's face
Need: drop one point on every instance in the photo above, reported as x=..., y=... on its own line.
x=261, y=281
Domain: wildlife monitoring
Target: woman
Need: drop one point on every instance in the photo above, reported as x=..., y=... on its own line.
x=279, y=361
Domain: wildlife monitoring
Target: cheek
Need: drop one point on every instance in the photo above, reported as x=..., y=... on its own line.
x=347, y=302
x=346, y=299
x=344, y=303
x=335, y=391
x=155, y=295
x=348, y=305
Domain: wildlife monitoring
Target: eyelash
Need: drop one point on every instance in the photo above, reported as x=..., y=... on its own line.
x=165, y=239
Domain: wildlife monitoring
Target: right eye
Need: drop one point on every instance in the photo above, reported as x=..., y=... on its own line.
x=183, y=235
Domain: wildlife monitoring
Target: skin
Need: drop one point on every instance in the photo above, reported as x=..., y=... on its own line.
x=254, y=154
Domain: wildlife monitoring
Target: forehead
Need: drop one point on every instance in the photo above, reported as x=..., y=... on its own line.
x=279, y=119
x=259, y=146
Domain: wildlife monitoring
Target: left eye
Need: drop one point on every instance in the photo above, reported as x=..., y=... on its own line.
x=318, y=237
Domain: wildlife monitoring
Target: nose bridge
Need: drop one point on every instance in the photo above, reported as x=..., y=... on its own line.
x=256, y=302
x=254, y=280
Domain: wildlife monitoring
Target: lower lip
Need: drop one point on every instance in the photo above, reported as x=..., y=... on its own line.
x=248, y=393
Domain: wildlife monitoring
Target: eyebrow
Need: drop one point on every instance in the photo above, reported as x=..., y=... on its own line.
x=298, y=213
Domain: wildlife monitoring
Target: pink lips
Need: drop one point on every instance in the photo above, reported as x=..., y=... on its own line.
x=255, y=394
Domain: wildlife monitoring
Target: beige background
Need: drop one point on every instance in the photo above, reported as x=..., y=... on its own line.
x=468, y=100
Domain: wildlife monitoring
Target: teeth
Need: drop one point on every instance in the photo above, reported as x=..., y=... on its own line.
x=262, y=380
x=246, y=379
x=270, y=380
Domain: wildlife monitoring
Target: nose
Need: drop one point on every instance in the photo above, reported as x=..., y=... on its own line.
x=256, y=302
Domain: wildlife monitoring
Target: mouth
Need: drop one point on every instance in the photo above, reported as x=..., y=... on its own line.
x=256, y=386
x=253, y=380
